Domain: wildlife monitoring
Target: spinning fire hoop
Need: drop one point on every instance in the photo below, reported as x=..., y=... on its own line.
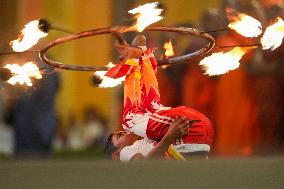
x=216, y=64
x=117, y=30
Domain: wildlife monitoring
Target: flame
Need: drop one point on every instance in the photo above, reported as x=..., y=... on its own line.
x=273, y=35
x=147, y=15
x=23, y=74
x=28, y=37
x=243, y=24
x=169, y=51
x=220, y=63
x=107, y=81
x=165, y=66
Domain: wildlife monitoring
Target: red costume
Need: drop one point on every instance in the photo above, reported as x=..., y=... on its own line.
x=145, y=116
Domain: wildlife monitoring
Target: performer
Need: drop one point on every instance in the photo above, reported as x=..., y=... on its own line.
x=126, y=146
x=144, y=115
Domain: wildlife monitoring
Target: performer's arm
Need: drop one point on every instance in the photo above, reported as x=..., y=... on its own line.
x=127, y=51
x=178, y=128
x=149, y=91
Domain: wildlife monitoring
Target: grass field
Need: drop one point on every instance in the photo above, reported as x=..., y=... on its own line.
x=254, y=173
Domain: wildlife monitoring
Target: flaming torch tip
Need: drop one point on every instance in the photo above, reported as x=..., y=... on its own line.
x=21, y=74
x=146, y=15
x=28, y=37
x=273, y=35
x=243, y=24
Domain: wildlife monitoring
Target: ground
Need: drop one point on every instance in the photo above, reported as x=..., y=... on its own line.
x=216, y=173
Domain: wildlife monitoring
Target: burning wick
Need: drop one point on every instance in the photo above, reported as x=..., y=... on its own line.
x=147, y=15
x=96, y=80
x=13, y=73
x=273, y=35
x=243, y=24
x=5, y=74
x=44, y=25
x=169, y=51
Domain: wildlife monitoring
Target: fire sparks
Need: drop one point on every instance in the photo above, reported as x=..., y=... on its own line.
x=220, y=63
x=169, y=51
x=273, y=35
x=147, y=15
x=107, y=81
x=28, y=37
x=243, y=24
x=23, y=74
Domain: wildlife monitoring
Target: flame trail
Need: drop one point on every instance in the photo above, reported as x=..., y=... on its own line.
x=169, y=51
x=107, y=81
x=28, y=37
x=273, y=35
x=147, y=15
x=243, y=24
x=221, y=63
x=23, y=74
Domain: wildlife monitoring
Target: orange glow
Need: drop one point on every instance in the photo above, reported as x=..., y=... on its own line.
x=221, y=63
x=165, y=66
x=243, y=24
x=273, y=35
x=169, y=51
x=147, y=15
x=107, y=81
x=28, y=37
x=23, y=74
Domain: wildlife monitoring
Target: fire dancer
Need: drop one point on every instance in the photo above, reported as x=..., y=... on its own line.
x=145, y=116
x=126, y=146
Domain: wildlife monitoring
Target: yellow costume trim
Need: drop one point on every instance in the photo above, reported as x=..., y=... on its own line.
x=132, y=62
x=137, y=74
x=175, y=154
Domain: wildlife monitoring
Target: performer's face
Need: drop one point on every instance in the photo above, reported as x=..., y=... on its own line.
x=120, y=140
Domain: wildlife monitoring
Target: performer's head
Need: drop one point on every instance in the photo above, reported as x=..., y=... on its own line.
x=116, y=141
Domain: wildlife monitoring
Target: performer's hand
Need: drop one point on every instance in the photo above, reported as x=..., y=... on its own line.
x=178, y=128
x=129, y=51
x=132, y=51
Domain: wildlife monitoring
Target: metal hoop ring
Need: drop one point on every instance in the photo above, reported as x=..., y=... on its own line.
x=123, y=29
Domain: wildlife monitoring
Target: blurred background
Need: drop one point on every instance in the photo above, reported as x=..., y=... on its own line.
x=64, y=116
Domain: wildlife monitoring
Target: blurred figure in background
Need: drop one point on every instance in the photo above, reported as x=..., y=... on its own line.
x=6, y=133
x=267, y=67
x=170, y=77
x=74, y=133
x=237, y=127
x=200, y=90
x=89, y=134
x=94, y=128
x=33, y=116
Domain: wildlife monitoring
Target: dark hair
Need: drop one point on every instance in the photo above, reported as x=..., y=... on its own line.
x=109, y=147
